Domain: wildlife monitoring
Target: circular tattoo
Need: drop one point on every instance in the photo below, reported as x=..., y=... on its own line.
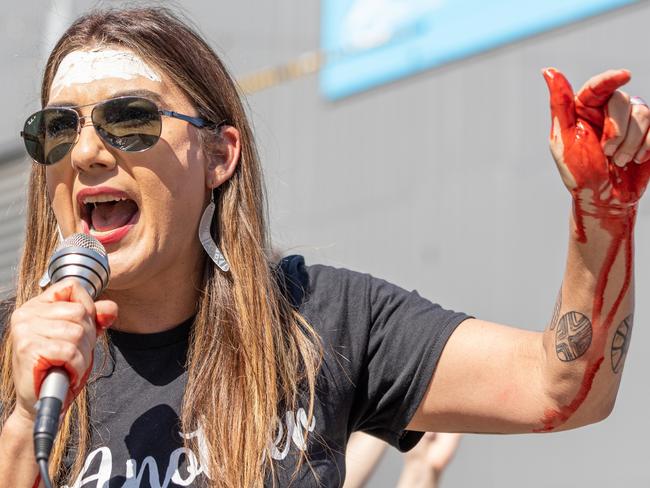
x=621, y=343
x=573, y=336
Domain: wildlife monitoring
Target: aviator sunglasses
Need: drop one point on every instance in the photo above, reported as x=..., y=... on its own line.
x=130, y=123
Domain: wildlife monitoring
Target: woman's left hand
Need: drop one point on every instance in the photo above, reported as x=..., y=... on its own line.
x=599, y=139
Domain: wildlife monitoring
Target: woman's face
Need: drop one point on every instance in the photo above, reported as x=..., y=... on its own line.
x=143, y=206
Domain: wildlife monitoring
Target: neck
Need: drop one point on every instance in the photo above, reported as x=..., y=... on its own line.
x=159, y=305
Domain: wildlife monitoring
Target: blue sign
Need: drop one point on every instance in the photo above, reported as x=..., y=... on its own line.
x=370, y=42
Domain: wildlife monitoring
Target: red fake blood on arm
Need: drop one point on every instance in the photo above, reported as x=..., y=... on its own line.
x=553, y=418
x=612, y=192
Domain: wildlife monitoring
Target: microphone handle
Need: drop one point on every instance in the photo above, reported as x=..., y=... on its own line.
x=54, y=391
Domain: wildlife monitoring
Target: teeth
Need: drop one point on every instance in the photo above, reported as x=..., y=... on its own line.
x=102, y=198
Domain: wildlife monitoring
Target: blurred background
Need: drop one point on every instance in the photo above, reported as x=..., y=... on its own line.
x=408, y=139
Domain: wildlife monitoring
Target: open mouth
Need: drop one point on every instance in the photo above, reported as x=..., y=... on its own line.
x=108, y=217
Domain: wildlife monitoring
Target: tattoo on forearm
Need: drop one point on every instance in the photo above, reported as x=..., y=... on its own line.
x=556, y=310
x=573, y=336
x=621, y=343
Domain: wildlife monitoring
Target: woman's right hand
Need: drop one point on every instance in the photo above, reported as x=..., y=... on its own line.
x=57, y=328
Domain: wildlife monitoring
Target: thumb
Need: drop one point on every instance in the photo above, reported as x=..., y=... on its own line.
x=562, y=101
x=105, y=313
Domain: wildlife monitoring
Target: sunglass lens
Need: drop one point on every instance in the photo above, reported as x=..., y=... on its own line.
x=128, y=123
x=50, y=134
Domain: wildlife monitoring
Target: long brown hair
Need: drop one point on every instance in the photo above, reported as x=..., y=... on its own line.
x=250, y=351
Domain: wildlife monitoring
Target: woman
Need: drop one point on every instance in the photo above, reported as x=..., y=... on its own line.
x=226, y=369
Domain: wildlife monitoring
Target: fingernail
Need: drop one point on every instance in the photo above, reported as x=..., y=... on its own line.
x=609, y=149
x=105, y=320
x=621, y=159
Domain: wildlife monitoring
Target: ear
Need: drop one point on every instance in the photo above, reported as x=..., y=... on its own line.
x=223, y=158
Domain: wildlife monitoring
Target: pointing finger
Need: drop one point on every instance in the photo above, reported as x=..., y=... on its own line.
x=68, y=290
x=597, y=90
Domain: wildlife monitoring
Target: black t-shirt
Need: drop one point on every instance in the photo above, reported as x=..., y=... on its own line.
x=381, y=346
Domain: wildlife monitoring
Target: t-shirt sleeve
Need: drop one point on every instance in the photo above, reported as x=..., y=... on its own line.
x=405, y=338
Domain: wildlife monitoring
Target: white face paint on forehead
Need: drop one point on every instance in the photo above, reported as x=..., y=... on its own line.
x=80, y=67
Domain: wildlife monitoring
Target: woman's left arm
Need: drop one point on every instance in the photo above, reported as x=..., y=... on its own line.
x=493, y=378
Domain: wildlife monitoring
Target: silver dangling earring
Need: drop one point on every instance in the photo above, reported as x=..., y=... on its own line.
x=205, y=236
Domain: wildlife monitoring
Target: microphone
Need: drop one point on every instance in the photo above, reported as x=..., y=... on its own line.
x=83, y=258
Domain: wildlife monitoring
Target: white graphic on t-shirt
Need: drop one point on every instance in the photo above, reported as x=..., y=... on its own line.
x=193, y=466
x=134, y=476
x=296, y=423
x=102, y=475
x=202, y=445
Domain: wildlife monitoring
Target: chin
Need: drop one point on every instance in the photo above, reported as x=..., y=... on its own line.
x=128, y=269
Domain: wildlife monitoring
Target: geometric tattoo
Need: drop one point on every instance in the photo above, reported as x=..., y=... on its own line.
x=573, y=336
x=621, y=343
x=556, y=310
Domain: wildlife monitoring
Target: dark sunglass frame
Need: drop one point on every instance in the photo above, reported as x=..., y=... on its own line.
x=34, y=142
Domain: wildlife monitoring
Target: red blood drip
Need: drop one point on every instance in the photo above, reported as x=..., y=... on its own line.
x=628, y=272
x=602, y=191
x=553, y=418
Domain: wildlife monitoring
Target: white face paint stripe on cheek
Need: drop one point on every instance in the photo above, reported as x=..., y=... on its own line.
x=80, y=67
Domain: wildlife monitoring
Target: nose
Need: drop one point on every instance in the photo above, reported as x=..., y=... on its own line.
x=90, y=153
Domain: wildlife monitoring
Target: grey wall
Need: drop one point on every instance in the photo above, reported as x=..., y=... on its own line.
x=441, y=182
x=13, y=178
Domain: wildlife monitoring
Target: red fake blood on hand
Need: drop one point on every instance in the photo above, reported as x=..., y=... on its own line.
x=601, y=190
x=42, y=367
x=63, y=295
x=104, y=320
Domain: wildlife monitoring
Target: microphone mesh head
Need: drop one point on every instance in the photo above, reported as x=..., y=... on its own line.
x=85, y=241
x=82, y=257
